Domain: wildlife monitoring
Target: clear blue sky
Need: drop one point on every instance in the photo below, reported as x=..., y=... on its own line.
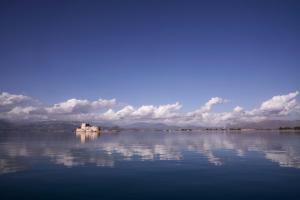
x=150, y=52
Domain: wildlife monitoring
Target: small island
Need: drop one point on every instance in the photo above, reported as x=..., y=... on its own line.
x=87, y=132
x=87, y=128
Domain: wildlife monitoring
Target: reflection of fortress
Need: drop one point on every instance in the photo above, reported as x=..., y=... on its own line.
x=87, y=132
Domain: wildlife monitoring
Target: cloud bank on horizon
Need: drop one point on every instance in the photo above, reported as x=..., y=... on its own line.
x=21, y=107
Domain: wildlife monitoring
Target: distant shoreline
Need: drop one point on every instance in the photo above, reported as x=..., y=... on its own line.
x=67, y=125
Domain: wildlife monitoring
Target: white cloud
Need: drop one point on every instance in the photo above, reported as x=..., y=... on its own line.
x=73, y=106
x=238, y=109
x=26, y=112
x=126, y=111
x=213, y=101
x=144, y=112
x=161, y=111
x=19, y=107
x=281, y=105
x=22, y=110
x=8, y=101
x=12, y=99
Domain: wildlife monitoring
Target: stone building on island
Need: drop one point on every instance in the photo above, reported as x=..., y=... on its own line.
x=87, y=128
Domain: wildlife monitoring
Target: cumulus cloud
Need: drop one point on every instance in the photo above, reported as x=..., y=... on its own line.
x=144, y=112
x=204, y=116
x=213, y=101
x=23, y=110
x=73, y=106
x=281, y=105
x=238, y=109
x=27, y=112
x=21, y=107
x=161, y=111
x=8, y=101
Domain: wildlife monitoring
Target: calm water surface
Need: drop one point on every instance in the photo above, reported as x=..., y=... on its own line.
x=149, y=165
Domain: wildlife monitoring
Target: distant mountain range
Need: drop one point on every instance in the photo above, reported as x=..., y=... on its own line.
x=59, y=125
x=144, y=125
x=267, y=124
x=40, y=125
x=270, y=124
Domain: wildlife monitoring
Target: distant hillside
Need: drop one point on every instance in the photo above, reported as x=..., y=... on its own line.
x=268, y=124
x=144, y=125
x=39, y=126
x=71, y=125
x=50, y=125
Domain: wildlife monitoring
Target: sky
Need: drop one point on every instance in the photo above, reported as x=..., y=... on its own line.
x=141, y=53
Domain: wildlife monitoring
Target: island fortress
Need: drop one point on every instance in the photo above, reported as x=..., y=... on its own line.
x=87, y=128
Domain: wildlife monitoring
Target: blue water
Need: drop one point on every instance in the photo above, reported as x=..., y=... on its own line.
x=150, y=165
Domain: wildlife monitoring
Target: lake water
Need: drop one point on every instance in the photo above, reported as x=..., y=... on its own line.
x=150, y=165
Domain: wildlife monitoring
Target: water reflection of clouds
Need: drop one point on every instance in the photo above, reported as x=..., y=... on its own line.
x=70, y=160
x=143, y=152
x=284, y=158
x=111, y=148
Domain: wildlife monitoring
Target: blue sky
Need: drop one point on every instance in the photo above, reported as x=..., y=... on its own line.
x=150, y=52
